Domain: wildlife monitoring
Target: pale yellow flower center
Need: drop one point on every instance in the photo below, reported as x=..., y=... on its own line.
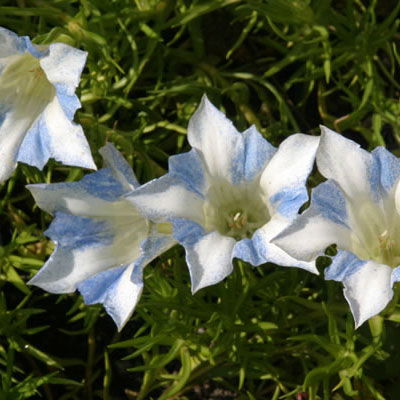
x=235, y=210
x=376, y=232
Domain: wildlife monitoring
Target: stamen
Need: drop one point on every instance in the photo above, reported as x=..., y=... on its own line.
x=385, y=242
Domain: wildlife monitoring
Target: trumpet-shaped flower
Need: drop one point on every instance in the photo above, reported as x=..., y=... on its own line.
x=37, y=104
x=358, y=209
x=103, y=241
x=230, y=195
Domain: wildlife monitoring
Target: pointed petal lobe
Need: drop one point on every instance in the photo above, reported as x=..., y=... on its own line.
x=284, y=178
x=368, y=290
x=215, y=138
x=118, y=289
x=345, y=162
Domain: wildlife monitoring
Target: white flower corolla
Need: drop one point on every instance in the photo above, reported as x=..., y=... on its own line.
x=230, y=195
x=103, y=241
x=37, y=104
x=357, y=209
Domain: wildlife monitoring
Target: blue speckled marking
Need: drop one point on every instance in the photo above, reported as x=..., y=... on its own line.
x=101, y=184
x=330, y=202
x=253, y=251
x=151, y=247
x=68, y=103
x=29, y=46
x=187, y=232
x=71, y=231
x=395, y=276
x=189, y=169
x=289, y=200
x=383, y=173
x=344, y=264
x=253, y=154
x=34, y=149
x=96, y=288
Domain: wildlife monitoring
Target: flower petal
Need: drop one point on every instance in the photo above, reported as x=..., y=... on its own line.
x=68, y=103
x=310, y=234
x=54, y=135
x=345, y=162
x=252, y=155
x=259, y=249
x=384, y=171
x=63, y=66
x=86, y=247
x=188, y=168
x=97, y=194
x=166, y=198
x=343, y=265
x=328, y=199
x=215, y=138
x=73, y=231
x=121, y=170
x=284, y=178
x=322, y=224
x=118, y=289
x=368, y=290
x=11, y=121
x=208, y=255
x=395, y=275
x=10, y=43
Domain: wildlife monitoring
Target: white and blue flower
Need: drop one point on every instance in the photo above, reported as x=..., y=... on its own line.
x=230, y=195
x=358, y=209
x=103, y=242
x=38, y=103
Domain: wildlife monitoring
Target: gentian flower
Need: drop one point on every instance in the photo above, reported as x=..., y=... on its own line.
x=38, y=103
x=229, y=195
x=103, y=242
x=358, y=209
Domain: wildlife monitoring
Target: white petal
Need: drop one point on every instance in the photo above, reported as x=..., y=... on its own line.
x=85, y=198
x=368, y=290
x=10, y=44
x=54, y=135
x=121, y=169
x=310, y=234
x=397, y=197
x=12, y=132
x=274, y=253
x=63, y=66
x=215, y=138
x=345, y=162
x=284, y=177
x=67, y=140
x=167, y=198
x=74, y=261
x=260, y=249
x=209, y=260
